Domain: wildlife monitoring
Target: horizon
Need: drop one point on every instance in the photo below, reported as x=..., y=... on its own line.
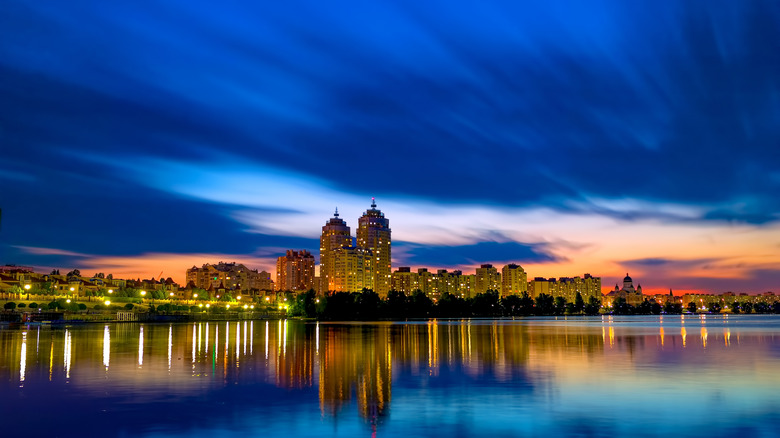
x=567, y=138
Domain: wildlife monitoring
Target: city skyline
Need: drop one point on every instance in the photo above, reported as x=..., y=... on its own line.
x=566, y=138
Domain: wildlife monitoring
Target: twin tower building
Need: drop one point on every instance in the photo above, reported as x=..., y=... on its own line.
x=351, y=267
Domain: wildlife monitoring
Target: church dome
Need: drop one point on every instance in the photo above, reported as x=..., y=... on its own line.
x=627, y=279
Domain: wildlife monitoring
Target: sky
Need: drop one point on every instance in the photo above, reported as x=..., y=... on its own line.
x=607, y=137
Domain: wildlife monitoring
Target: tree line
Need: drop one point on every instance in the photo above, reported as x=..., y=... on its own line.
x=368, y=305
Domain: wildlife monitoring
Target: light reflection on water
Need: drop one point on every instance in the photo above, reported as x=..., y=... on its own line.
x=601, y=376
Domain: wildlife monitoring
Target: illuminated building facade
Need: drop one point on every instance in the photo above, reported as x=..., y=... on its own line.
x=335, y=235
x=295, y=271
x=373, y=234
x=487, y=278
x=353, y=269
x=632, y=296
x=514, y=280
x=228, y=276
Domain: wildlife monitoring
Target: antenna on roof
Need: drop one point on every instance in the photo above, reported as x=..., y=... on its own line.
x=336, y=214
x=373, y=202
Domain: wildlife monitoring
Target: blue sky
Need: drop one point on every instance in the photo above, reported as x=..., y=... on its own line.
x=568, y=136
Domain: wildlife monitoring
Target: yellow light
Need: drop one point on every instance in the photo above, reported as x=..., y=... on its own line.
x=238, y=297
x=268, y=298
x=246, y=306
x=68, y=300
x=72, y=289
x=111, y=291
x=228, y=306
x=107, y=303
x=200, y=305
x=252, y=306
x=143, y=292
x=27, y=286
x=318, y=300
x=194, y=295
x=208, y=305
x=171, y=294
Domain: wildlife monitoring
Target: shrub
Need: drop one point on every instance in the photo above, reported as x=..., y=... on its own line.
x=128, y=306
x=9, y=306
x=33, y=305
x=82, y=306
x=21, y=306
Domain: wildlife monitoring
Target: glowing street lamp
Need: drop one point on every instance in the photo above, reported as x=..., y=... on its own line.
x=228, y=306
x=252, y=306
x=72, y=289
x=246, y=306
x=170, y=294
x=26, y=287
x=143, y=293
x=268, y=298
x=111, y=291
x=194, y=295
x=238, y=297
x=68, y=301
x=208, y=305
x=107, y=303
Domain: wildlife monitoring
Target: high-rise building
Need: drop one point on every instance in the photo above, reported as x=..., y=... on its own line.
x=487, y=278
x=466, y=284
x=541, y=285
x=404, y=280
x=373, y=234
x=295, y=271
x=335, y=235
x=514, y=280
x=352, y=269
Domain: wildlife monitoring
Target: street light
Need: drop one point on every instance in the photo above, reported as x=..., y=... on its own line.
x=143, y=293
x=107, y=303
x=194, y=295
x=111, y=291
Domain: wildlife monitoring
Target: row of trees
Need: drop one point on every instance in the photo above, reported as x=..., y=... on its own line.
x=367, y=305
x=737, y=307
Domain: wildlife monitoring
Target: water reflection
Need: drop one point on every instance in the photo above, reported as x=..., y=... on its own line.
x=390, y=377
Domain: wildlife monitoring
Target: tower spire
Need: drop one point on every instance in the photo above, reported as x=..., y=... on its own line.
x=336, y=214
x=373, y=202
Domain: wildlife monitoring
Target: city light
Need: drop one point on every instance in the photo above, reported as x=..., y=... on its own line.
x=194, y=295
x=27, y=287
x=68, y=301
x=143, y=293
x=107, y=303
x=111, y=291
x=72, y=289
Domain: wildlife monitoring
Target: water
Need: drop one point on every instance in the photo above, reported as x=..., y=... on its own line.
x=623, y=376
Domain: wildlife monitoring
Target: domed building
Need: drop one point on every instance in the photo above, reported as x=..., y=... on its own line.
x=632, y=296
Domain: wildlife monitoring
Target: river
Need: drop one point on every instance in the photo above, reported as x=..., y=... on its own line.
x=642, y=376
